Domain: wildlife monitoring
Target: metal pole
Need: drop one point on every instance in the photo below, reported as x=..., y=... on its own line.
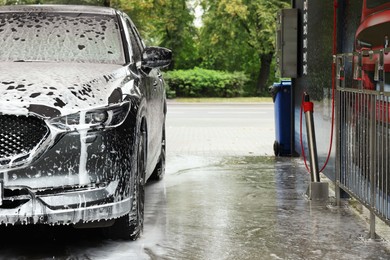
x=372, y=165
x=338, y=154
x=339, y=60
x=308, y=109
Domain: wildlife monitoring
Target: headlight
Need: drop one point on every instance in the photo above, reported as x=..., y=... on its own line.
x=97, y=118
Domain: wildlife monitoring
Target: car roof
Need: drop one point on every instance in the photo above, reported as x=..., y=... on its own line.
x=58, y=8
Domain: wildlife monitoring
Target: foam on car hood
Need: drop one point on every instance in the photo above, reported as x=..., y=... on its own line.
x=54, y=89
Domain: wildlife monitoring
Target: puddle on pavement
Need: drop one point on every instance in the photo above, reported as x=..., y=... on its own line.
x=254, y=208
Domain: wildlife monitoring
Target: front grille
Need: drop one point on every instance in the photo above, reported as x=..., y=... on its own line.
x=20, y=134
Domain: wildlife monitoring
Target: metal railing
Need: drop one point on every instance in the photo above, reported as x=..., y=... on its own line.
x=363, y=131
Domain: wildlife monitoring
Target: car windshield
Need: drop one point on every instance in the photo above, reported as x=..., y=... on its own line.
x=376, y=3
x=60, y=37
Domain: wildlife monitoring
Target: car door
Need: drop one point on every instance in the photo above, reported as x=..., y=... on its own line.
x=152, y=86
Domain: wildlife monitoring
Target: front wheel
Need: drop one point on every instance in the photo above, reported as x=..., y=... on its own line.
x=130, y=226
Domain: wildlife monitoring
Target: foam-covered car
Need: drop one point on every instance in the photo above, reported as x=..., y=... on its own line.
x=82, y=116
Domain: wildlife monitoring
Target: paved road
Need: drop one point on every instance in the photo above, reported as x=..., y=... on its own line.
x=223, y=129
x=221, y=115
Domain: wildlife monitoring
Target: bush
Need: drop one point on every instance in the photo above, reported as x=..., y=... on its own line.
x=205, y=83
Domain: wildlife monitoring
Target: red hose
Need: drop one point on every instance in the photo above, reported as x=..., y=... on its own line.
x=335, y=6
x=334, y=51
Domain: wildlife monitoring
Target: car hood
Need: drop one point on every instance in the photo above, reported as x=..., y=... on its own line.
x=55, y=89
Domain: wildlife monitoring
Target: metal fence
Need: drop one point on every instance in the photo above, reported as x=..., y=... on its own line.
x=363, y=130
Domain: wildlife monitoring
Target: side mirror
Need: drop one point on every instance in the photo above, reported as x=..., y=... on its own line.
x=156, y=57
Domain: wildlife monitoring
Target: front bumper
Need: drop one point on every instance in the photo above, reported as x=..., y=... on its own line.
x=22, y=205
x=83, y=176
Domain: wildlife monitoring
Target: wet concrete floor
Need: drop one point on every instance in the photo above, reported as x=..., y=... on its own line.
x=255, y=208
x=216, y=205
x=216, y=208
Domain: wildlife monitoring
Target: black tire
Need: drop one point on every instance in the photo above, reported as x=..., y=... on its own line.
x=276, y=148
x=159, y=171
x=130, y=226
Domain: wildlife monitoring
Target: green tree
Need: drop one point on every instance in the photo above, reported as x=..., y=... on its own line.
x=240, y=35
x=167, y=23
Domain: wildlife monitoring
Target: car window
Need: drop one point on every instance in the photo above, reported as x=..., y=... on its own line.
x=139, y=38
x=60, y=37
x=136, y=48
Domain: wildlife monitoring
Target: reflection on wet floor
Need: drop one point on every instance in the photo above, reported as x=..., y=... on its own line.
x=216, y=208
x=254, y=208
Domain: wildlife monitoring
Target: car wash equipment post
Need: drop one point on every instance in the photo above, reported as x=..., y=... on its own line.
x=318, y=191
x=311, y=138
